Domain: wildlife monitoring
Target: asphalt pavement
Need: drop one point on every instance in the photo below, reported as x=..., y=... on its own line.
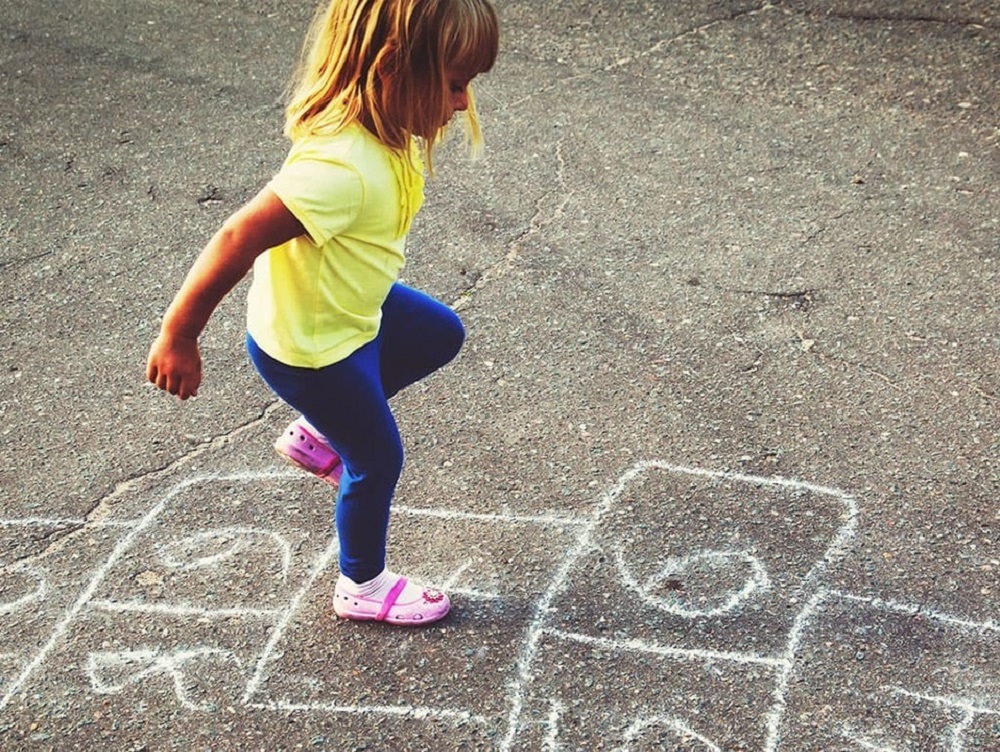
x=718, y=468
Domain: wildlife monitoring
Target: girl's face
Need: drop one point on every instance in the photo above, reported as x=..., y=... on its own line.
x=458, y=81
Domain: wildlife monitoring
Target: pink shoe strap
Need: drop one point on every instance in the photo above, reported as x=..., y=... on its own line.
x=329, y=467
x=390, y=599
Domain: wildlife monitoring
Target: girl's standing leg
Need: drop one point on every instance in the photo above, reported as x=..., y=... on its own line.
x=346, y=403
x=418, y=335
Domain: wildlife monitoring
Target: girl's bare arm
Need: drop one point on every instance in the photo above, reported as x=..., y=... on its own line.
x=174, y=363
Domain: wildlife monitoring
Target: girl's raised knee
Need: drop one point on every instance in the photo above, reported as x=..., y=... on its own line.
x=454, y=334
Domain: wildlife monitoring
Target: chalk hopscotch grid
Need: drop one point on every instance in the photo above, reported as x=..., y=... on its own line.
x=282, y=616
x=783, y=664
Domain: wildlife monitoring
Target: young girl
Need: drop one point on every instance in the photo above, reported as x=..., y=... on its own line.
x=329, y=328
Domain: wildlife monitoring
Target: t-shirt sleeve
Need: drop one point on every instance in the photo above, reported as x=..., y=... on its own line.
x=324, y=195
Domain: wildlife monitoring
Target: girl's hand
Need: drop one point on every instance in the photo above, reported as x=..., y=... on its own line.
x=174, y=365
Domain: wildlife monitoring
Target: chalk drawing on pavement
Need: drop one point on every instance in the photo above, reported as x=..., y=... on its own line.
x=726, y=595
x=29, y=586
x=111, y=672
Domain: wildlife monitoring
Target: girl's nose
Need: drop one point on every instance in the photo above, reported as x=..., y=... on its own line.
x=460, y=100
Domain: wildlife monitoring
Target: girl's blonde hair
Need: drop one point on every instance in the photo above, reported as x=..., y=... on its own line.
x=382, y=63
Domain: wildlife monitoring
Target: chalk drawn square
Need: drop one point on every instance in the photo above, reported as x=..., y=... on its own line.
x=876, y=675
x=210, y=550
x=204, y=594
x=596, y=696
x=495, y=569
x=704, y=561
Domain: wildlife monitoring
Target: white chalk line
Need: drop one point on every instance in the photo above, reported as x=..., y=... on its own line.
x=959, y=730
x=639, y=726
x=473, y=594
x=241, y=538
x=445, y=514
x=945, y=701
x=757, y=582
x=911, y=610
x=450, y=586
x=450, y=582
x=551, y=741
x=151, y=663
x=181, y=609
x=448, y=514
x=322, y=563
x=39, y=591
x=776, y=714
x=755, y=480
x=864, y=742
x=416, y=712
x=835, y=552
x=666, y=651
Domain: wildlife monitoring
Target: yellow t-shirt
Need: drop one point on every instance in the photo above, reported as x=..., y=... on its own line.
x=317, y=298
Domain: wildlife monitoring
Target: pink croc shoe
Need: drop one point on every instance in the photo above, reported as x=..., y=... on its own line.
x=430, y=606
x=302, y=445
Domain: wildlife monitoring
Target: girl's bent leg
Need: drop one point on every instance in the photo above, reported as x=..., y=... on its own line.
x=418, y=336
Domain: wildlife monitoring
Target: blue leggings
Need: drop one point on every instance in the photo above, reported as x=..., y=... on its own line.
x=348, y=402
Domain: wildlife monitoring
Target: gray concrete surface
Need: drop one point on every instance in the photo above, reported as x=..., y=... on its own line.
x=717, y=469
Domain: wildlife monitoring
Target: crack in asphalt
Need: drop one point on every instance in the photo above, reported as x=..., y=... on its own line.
x=623, y=62
x=24, y=260
x=535, y=225
x=860, y=17
x=897, y=18
x=664, y=43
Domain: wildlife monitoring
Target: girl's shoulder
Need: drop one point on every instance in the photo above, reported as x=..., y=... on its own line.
x=351, y=139
x=341, y=145
x=354, y=147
